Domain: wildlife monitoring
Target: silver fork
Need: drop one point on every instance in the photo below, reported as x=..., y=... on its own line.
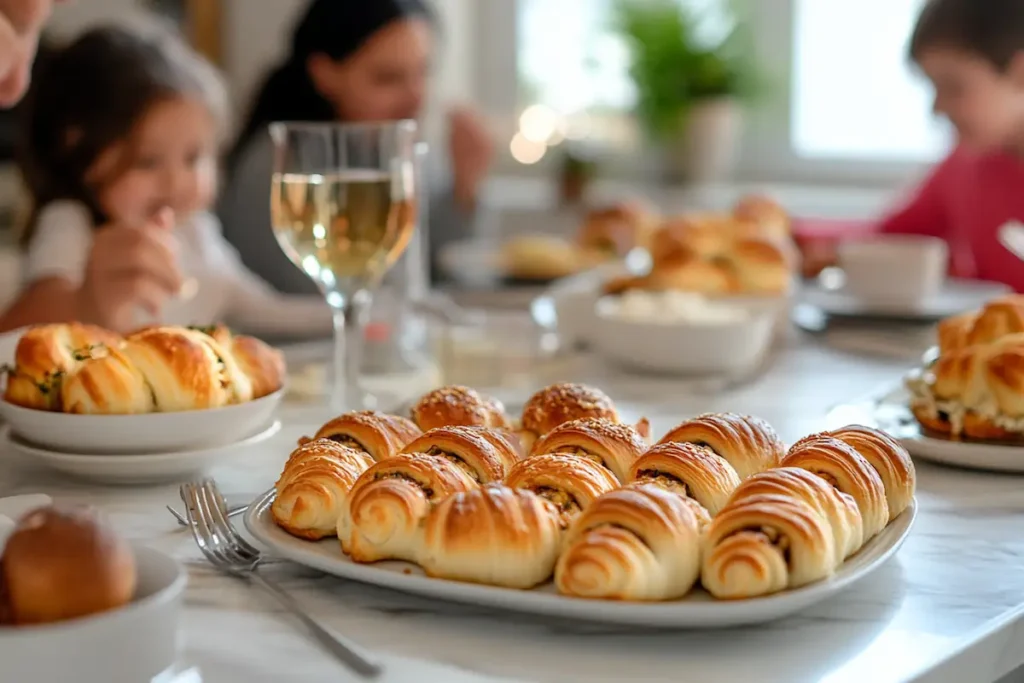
x=230, y=553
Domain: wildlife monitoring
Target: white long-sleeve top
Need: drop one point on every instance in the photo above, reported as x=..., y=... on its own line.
x=227, y=292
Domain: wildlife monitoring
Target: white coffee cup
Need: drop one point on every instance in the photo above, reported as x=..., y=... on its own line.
x=894, y=271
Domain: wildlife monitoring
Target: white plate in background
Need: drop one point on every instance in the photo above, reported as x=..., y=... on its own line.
x=698, y=610
x=137, y=470
x=139, y=434
x=957, y=296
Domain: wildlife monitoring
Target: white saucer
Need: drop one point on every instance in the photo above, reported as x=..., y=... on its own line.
x=956, y=297
x=158, y=468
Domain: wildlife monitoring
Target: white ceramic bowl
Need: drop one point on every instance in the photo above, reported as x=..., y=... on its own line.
x=141, y=434
x=684, y=348
x=132, y=644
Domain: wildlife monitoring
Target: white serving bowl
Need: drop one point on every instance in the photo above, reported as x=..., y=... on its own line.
x=128, y=645
x=683, y=347
x=141, y=434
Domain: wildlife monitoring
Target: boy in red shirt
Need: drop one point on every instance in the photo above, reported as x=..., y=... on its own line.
x=973, y=53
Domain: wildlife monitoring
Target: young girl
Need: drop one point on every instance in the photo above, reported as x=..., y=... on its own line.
x=120, y=161
x=973, y=53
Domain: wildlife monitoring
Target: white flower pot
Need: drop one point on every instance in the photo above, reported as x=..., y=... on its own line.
x=707, y=149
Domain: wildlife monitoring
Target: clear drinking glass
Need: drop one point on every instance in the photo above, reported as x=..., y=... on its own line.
x=343, y=205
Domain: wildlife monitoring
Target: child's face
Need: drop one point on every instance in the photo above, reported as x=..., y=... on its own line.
x=985, y=105
x=169, y=161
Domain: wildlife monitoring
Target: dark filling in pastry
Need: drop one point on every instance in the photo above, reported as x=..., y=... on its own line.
x=829, y=479
x=402, y=476
x=665, y=481
x=704, y=444
x=629, y=531
x=773, y=537
x=943, y=415
x=455, y=460
x=563, y=500
x=583, y=453
x=348, y=441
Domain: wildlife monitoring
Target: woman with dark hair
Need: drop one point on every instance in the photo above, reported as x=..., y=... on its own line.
x=350, y=60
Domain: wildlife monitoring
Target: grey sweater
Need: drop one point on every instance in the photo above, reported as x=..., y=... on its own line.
x=244, y=211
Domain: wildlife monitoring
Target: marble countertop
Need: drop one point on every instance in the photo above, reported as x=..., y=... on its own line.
x=947, y=608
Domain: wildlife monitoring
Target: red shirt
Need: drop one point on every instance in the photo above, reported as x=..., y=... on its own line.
x=965, y=201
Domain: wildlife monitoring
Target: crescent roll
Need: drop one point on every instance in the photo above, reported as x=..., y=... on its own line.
x=163, y=369
x=493, y=535
x=557, y=404
x=847, y=470
x=389, y=501
x=748, y=443
x=890, y=460
x=569, y=481
x=313, y=488
x=379, y=434
x=837, y=508
x=693, y=471
x=458, y=406
x=46, y=355
x=615, y=446
x=764, y=544
x=639, y=542
x=484, y=454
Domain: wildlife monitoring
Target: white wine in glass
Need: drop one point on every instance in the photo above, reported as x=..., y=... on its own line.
x=343, y=208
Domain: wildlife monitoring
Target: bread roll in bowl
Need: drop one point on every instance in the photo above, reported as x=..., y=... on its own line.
x=64, y=563
x=493, y=535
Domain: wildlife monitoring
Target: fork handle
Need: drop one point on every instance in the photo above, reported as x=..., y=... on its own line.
x=342, y=649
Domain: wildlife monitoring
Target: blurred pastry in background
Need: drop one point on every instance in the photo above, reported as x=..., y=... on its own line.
x=540, y=257
x=612, y=232
x=766, y=213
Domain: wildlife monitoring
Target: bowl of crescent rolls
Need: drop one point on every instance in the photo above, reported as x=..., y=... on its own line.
x=571, y=498
x=80, y=388
x=973, y=388
x=76, y=597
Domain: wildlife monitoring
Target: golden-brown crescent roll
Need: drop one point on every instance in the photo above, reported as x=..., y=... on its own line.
x=46, y=354
x=459, y=406
x=389, y=501
x=747, y=443
x=760, y=265
x=953, y=332
x=612, y=445
x=692, y=471
x=615, y=230
x=569, y=481
x=847, y=470
x=557, y=404
x=483, y=453
x=764, y=544
x=711, y=278
x=493, y=535
x=313, y=488
x=890, y=460
x=639, y=542
x=379, y=434
x=261, y=363
x=837, y=508
x=772, y=220
x=1000, y=318
x=165, y=369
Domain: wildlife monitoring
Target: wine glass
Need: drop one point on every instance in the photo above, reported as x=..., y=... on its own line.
x=343, y=208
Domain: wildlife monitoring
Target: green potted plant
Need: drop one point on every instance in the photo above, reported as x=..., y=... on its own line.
x=689, y=92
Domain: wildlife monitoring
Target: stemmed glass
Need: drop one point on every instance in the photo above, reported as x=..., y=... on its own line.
x=343, y=207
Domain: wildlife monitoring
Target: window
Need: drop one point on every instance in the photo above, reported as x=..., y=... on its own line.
x=845, y=102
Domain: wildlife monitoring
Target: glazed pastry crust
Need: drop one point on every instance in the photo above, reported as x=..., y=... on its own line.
x=612, y=445
x=692, y=471
x=557, y=404
x=313, y=488
x=46, y=354
x=484, y=454
x=639, y=542
x=459, y=406
x=390, y=500
x=379, y=434
x=748, y=443
x=571, y=482
x=493, y=535
x=764, y=544
x=844, y=468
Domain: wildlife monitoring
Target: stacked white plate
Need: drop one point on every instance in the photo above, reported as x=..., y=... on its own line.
x=139, y=449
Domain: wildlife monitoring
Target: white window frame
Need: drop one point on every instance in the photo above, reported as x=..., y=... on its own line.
x=767, y=154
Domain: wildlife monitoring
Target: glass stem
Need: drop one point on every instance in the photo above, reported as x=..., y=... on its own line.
x=350, y=319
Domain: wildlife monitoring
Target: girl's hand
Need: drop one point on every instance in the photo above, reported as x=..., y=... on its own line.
x=472, y=152
x=130, y=268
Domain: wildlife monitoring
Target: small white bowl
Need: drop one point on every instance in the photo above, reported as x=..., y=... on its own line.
x=135, y=643
x=141, y=434
x=684, y=348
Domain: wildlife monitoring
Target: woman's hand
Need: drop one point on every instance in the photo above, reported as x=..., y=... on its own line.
x=471, y=151
x=130, y=268
x=21, y=22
